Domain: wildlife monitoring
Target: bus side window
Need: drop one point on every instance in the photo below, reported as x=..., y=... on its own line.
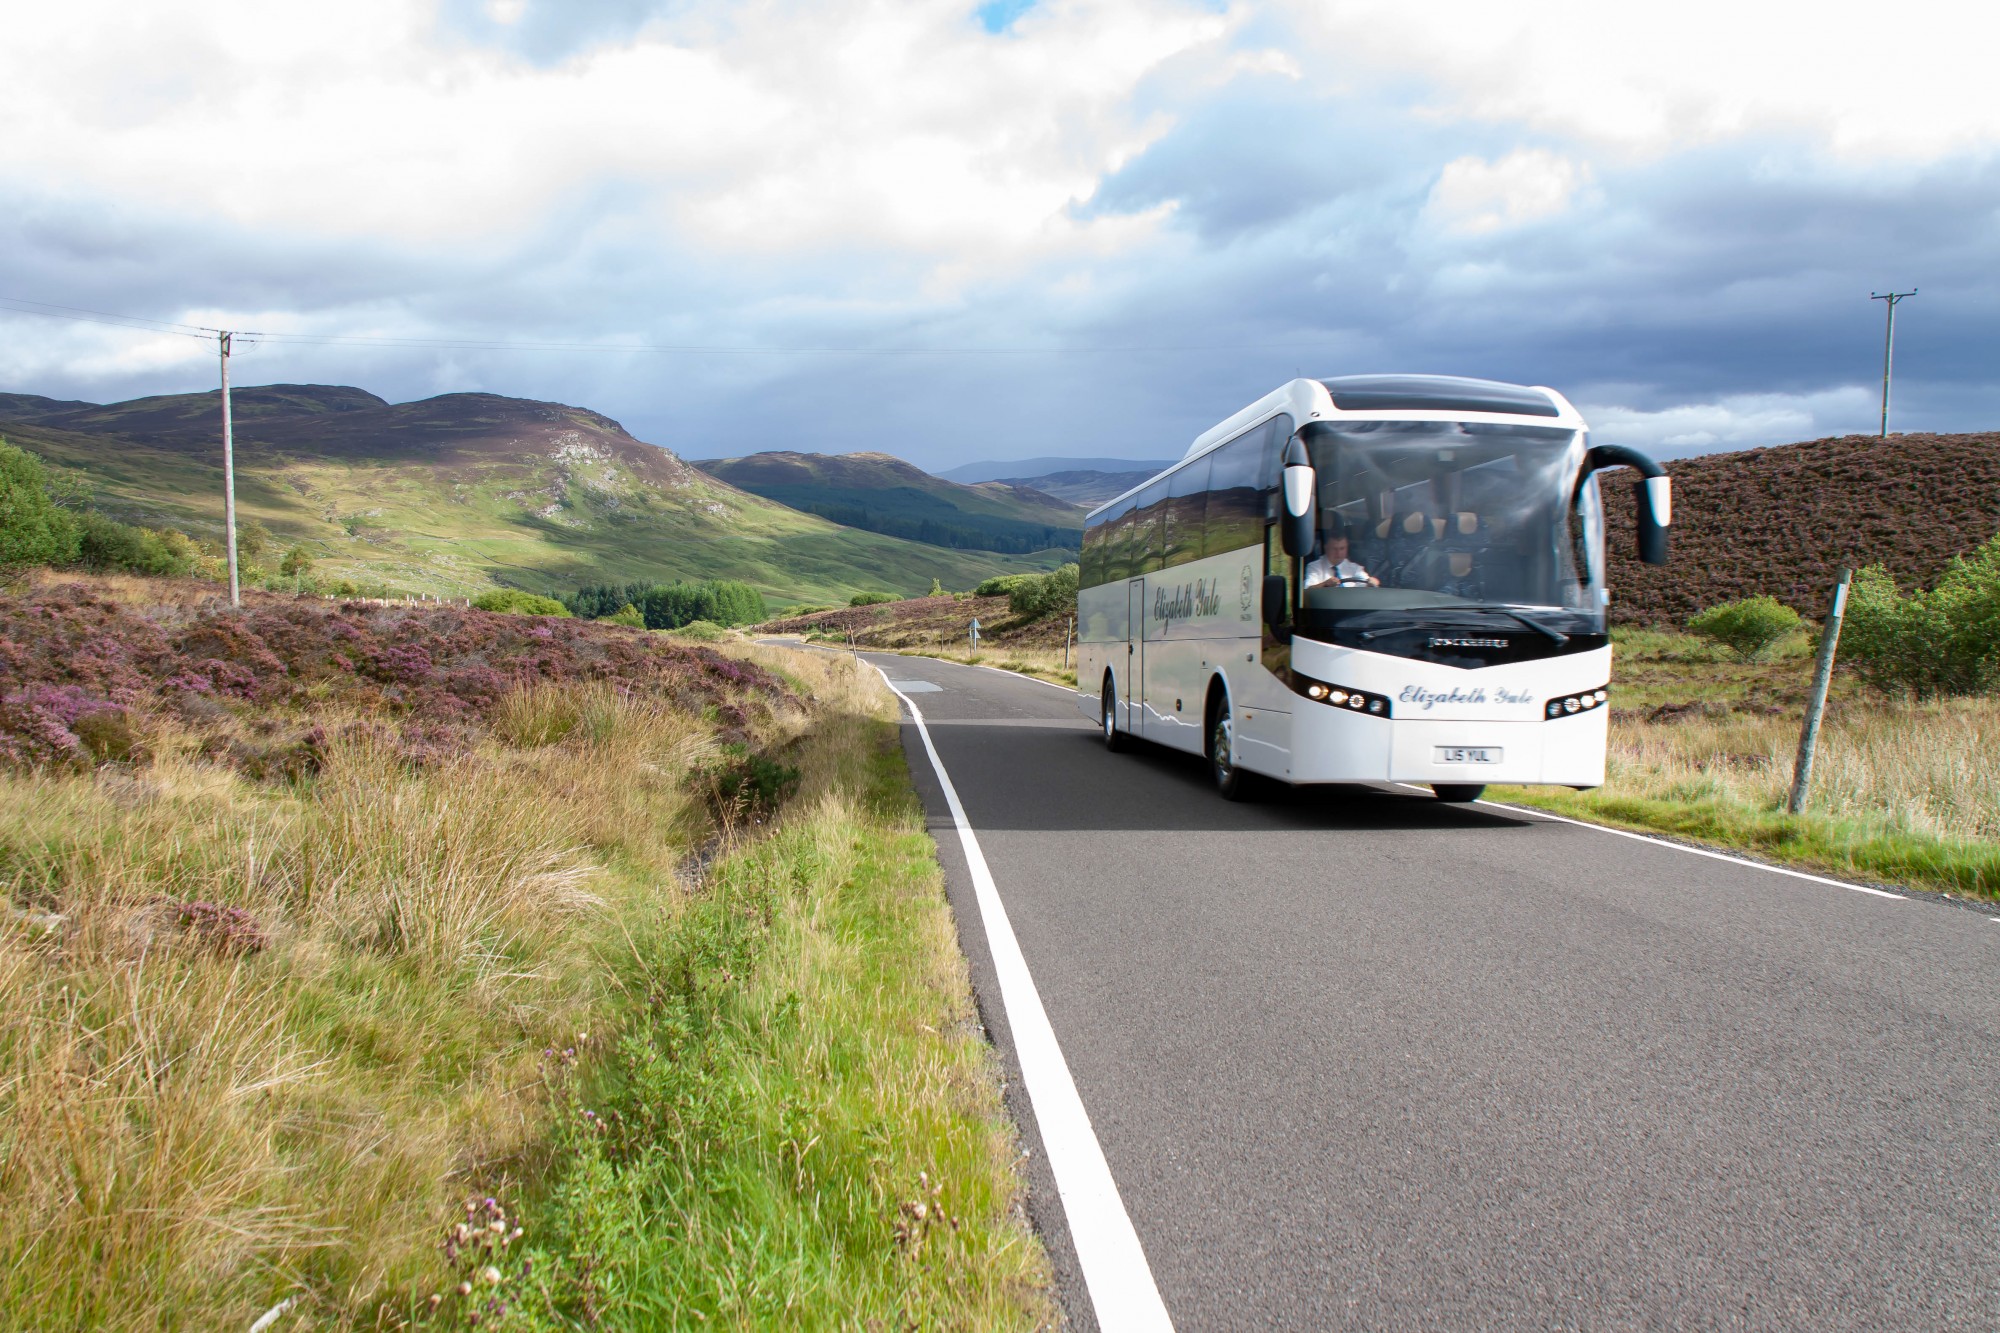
x=1187, y=494
x=1148, y=536
x=1240, y=476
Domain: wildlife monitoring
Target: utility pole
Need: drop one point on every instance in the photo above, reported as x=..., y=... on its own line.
x=1889, y=346
x=222, y=340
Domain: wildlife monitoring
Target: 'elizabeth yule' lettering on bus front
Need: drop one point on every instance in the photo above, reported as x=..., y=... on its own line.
x=1419, y=694
x=1199, y=598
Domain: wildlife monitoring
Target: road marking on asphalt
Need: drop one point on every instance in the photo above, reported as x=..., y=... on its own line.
x=1122, y=1291
x=1683, y=847
x=1022, y=675
x=915, y=686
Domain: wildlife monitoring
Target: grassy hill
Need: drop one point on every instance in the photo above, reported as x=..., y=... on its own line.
x=1782, y=521
x=881, y=493
x=454, y=494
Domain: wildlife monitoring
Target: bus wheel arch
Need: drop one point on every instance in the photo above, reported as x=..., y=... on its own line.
x=1107, y=706
x=1219, y=743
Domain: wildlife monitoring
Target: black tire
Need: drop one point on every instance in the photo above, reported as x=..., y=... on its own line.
x=1231, y=782
x=1458, y=793
x=1114, y=740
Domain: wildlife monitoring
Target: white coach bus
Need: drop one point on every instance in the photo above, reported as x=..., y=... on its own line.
x=1364, y=579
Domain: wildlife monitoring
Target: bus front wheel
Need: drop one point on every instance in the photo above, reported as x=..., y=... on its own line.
x=1114, y=739
x=1229, y=779
x=1458, y=793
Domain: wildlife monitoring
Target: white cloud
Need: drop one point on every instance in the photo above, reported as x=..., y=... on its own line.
x=1736, y=421
x=782, y=126
x=1473, y=196
x=1865, y=82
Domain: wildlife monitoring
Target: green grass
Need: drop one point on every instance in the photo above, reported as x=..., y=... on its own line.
x=1873, y=850
x=458, y=529
x=452, y=963
x=799, y=1126
x=1703, y=746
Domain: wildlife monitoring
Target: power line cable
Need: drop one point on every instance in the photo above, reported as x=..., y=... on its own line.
x=23, y=306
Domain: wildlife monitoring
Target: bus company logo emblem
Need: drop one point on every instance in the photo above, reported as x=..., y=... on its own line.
x=1244, y=599
x=1200, y=598
x=1440, y=641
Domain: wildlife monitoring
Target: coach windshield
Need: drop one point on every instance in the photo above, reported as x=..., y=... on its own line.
x=1454, y=514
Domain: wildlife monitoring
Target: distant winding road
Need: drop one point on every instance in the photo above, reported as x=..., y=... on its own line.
x=1357, y=1059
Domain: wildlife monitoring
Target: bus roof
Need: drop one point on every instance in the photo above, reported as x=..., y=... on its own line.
x=1380, y=397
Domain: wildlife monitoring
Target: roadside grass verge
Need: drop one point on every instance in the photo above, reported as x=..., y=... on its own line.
x=265, y=1030
x=800, y=1126
x=1703, y=748
x=1042, y=663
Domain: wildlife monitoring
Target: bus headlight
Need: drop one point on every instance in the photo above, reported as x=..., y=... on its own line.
x=1568, y=705
x=1356, y=701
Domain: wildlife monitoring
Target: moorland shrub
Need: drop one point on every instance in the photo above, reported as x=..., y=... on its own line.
x=1035, y=596
x=701, y=631
x=1749, y=627
x=34, y=530
x=1002, y=585
x=45, y=519
x=872, y=598
x=627, y=615
x=1942, y=642
x=514, y=602
x=106, y=544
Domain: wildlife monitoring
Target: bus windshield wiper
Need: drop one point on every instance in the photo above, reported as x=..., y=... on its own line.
x=1551, y=631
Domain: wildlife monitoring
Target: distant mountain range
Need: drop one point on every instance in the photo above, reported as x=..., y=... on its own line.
x=453, y=494
x=881, y=493
x=996, y=470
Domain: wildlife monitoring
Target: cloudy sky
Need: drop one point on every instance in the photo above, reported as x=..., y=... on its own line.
x=957, y=231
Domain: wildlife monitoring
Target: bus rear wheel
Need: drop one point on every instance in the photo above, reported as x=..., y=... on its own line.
x=1114, y=739
x=1458, y=793
x=1229, y=779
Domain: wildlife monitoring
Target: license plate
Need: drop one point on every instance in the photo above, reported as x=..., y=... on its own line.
x=1468, y=754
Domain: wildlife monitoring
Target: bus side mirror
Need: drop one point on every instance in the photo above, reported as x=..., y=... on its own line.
x=1656, y=518
x=1653, y=496
x=1276, y=611
x=1298, y=527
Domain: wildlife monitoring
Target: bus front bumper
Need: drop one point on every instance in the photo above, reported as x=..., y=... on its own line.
x=1337, y=746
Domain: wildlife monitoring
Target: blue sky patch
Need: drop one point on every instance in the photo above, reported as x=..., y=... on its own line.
x=999, y=15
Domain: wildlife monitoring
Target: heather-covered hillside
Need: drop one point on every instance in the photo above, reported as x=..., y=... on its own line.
x=1782, y=521
x=457, y=493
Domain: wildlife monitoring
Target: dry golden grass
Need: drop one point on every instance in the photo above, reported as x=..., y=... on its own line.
x=1920, y=768
x=193, y=1124
x=288, y=1091
x=1703, y=746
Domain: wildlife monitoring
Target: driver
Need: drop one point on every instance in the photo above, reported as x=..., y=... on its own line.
x=1333, y=565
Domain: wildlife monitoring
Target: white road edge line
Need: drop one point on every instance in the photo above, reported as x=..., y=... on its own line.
x=1681, y=847
x=1122, y=1290
x=1020, y=675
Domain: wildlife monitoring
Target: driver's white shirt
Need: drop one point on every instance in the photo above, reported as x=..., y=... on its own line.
x=1322, y=571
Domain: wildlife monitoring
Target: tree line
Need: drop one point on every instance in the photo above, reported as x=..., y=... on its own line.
x=671, y=605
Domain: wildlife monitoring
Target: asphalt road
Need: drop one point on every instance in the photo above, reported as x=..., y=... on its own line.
x=1358, y=1059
